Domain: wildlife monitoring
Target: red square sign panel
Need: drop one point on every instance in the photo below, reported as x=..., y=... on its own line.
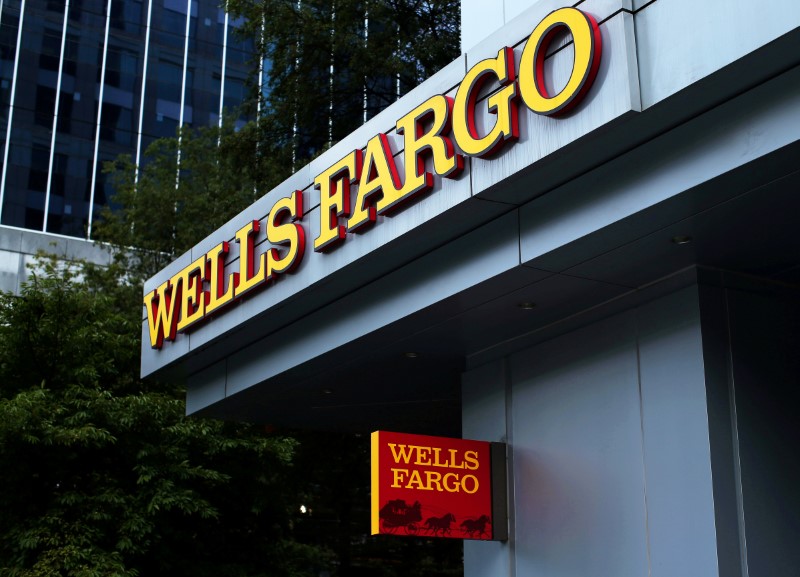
x=437, y=487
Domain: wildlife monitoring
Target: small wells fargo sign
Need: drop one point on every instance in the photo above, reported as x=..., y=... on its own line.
x=438, y=487
x=367, y=183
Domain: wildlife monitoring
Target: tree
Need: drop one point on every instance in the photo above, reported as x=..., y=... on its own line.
x=333, y=63
x=186, y=188
x=103, y=474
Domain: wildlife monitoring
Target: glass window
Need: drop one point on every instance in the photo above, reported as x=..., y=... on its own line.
x=71, y=55
x=118, y=15
x=121, y=68
x=240, y=50
x=180, y=6
x=219, y=40
x=169, y=81
x=59, y=174
x=127, y=15
x=75, y=9
x=235, y=92
x=99, y=187
x=68, y=209
x=189, y=87
x=34, y=218
x=37, y=175
x=5, y=99
x=65, y=101
x=8, y=39
x=170, y=28
x=51, y=50
x=116, y=124
x=45, y=105
x=166, y=127
x=129, y=70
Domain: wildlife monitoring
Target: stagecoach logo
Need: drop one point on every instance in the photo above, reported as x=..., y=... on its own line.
x=437, y=487
x=354, y=191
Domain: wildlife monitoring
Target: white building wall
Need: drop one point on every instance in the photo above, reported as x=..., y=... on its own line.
x=19, y=249
x=479, y=18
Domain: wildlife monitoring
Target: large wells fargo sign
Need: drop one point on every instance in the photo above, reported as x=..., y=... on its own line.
x=437, y=135
x=438, y=487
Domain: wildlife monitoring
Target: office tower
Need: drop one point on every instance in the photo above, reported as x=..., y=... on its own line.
x=82, y=81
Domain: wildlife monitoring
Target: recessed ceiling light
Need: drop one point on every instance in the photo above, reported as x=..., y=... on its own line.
x=411, y=355
x=526, y=306
x=327, y=391
x=681, y=239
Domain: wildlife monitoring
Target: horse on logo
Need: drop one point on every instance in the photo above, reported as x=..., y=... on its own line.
x=436, y=524
x=475, y=527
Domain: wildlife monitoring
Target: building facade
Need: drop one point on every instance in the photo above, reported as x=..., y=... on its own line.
x=589, y=253
x=83, y=81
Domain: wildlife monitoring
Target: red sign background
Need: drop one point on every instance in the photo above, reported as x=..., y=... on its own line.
x=431, y=486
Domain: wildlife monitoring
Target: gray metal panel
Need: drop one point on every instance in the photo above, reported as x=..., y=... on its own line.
x=764, y=220
x=680, y=500
x=344, y=281
x=488, y=558
x=765, y=334
x=578, y=475
x=500, y=454
x=600, y=9
x=501, y=321
x=514, y=8
x=570, y=303
x=483, y=402
x=613, y=95
x=347, y=261
x=719, y=390
x=520, y=20
x=480, y=255
x=683, y=41
x=206, y=388
x=749, y=127
x=477, y=18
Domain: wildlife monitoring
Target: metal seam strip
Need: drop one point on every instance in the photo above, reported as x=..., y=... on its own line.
x=11, y=108
x=224, y=65
x=99, y=119
x=183, y=88
x=144, y=85
x=737, y=462
x=55, y=118
x=185, y=63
